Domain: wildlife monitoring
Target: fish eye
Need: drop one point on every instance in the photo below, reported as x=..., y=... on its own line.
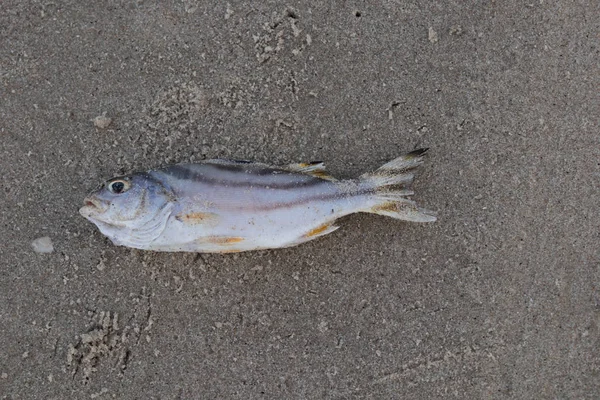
x=118, y=186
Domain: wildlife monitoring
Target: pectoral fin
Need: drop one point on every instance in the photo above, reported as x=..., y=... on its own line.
x=196, y=218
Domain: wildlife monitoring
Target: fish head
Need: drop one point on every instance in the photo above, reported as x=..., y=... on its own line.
x=123, y=205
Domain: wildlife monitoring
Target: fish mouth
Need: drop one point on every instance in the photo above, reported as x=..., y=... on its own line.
x=92, y=206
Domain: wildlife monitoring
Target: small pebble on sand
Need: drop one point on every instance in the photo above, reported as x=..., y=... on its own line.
x=102, y=121
x=433, y=36
x=42, y=245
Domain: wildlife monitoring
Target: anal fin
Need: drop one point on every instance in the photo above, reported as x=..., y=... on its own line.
x=319, y=231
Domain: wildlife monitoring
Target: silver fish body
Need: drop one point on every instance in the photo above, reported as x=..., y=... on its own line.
x=225, y=206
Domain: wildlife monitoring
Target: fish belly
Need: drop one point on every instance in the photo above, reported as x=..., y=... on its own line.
x=258, y=225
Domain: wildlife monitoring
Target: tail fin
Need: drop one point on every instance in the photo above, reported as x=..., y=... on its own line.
x=392, y=186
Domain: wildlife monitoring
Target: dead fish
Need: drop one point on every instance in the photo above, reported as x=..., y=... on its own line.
x=223, y=206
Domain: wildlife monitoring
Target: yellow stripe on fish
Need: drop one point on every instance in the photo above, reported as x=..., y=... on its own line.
x=222, y=240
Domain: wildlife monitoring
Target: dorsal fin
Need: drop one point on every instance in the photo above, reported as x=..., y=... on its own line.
x=227, y=161
x=314, y=168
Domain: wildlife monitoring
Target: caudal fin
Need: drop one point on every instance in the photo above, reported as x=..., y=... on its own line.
x=392, y=183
